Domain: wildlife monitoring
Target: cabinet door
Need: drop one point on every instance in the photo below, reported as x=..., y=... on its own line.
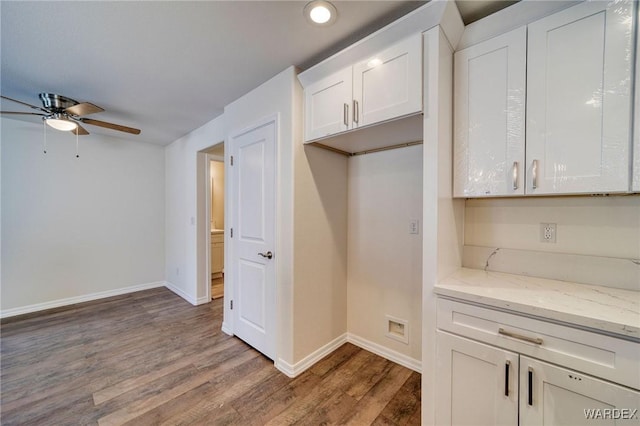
x=578, y=99
x=551, y=395
x=327, y=105
x=478, y=383
x=388, y=85
x=217, y=258
x=489, y=99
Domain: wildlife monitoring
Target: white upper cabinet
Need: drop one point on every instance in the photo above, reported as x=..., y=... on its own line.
x=327, y=104
x=574, y=136
x=578, y=100
x=489, y=94
x=388, y=85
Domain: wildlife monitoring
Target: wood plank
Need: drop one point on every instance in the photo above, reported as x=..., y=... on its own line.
x=151, y=358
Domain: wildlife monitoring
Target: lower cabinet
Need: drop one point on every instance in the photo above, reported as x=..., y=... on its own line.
x=217, y=254
x=478, y=383
x=485, y=385
x=552, y=395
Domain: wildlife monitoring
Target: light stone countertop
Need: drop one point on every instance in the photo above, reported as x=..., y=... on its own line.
x=606, y=309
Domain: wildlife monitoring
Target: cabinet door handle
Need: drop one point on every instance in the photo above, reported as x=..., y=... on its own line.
x=356, y=111
x=515, y=175
x=535, y=340
x=345, y=114
x=534, y=172
x=507, y=365
x=530, y=396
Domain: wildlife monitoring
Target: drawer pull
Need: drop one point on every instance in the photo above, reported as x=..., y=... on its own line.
x=534, y=340
x=530, y=396
x=506, y=378
x=345, y=115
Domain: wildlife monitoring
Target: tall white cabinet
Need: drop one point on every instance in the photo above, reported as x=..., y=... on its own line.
x=577, y=137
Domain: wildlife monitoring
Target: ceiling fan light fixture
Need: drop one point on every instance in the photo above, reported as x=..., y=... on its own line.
x=61, y=123
x=320, y=13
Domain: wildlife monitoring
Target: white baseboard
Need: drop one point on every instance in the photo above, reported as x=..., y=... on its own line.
x=226, y=329
x=293, y=370
x=384, y=352
x=177, y=290
x=202, y=300
x=78, y=299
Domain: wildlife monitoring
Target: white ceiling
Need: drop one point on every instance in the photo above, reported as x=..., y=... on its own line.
x=168, y=67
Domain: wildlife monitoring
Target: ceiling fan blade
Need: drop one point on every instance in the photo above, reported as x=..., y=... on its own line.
x=110, y=126
x=22, y=113
x=24, y=103
x=83, y=108
x=81, y=131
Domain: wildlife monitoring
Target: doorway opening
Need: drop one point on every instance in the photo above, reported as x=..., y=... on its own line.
x=216, y=220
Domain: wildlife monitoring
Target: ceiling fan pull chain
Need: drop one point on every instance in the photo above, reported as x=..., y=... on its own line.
x=44, y=146
x=77, y=155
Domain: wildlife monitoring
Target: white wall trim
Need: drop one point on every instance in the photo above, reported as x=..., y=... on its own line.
x=293, y=370
x=226, y=329
x=78, y=299
x=180, y=292
x=391, y=355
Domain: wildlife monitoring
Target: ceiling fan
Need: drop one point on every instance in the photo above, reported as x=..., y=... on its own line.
x=65, y=114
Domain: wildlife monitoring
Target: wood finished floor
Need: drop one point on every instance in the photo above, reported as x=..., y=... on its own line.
x=151, y=358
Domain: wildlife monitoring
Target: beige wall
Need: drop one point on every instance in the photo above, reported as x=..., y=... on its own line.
x=384, y=259
x=596, y=226
x=320, y=248
x=217, y=191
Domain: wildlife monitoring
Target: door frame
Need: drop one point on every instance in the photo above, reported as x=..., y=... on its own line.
x=230, y=222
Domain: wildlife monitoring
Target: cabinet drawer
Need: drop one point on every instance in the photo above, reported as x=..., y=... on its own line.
x=592, y=353
x=217, y=238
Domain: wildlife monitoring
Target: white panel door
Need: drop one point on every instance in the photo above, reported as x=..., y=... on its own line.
x=551, y=395
x=388, y=85
x=578, y=99
x=478, y=384
x=327, y=105
x=489, y=102
x=253, y=174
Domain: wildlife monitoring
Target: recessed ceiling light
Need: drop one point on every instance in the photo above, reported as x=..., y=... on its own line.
x=320, y=12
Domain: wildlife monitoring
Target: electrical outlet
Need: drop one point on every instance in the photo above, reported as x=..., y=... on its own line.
x=548, y=232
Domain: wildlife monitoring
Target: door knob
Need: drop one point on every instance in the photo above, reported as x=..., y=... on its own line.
x=268, y=255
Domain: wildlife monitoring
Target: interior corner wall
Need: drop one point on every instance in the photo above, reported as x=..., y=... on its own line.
x=185, y=207
x=384, y=258
x=76, y=229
